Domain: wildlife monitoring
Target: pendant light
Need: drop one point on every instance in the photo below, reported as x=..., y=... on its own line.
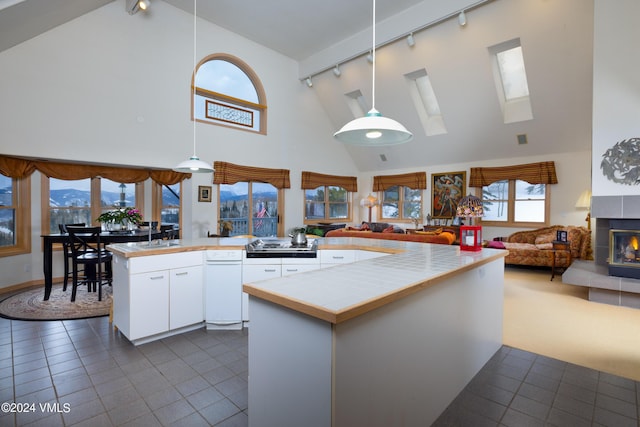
x=194, y=164
x=373, y=129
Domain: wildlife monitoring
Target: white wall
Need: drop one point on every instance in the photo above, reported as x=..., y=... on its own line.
x=616, y=87
x=115, y=89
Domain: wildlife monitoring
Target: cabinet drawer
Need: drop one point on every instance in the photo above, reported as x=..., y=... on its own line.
x=288, y=269
x=255, y=273
x=337, y=257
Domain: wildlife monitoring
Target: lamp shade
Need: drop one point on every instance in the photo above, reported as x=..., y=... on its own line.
x=193, y=165
x=584, y=201
x=470, y=206
x=373, y=130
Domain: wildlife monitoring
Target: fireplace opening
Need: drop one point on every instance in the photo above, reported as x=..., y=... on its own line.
x=624, y=253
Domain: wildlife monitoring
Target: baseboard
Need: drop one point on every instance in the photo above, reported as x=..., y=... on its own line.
x=21, y=286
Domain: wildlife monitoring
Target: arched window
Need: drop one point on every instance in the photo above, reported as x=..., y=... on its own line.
x=229, y=93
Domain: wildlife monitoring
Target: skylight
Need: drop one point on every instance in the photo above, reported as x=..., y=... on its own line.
x=426, y=103
x=511, y=81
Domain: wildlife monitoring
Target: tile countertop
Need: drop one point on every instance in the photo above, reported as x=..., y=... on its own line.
x=345, y=291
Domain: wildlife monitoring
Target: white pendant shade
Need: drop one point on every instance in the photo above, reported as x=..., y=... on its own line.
x=373, y=130
x=193, y=165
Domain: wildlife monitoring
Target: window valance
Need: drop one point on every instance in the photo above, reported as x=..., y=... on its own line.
x=311, y=180
x=414, y=180
x=533, y=173
x=228, y=173
x=20, y=168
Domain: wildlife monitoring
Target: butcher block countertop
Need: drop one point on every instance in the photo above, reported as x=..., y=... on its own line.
x=345, y=291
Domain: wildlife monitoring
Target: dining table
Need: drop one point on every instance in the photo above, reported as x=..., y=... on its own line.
x=107, y=237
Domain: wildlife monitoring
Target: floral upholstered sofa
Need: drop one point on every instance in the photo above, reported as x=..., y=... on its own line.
x=534, y=247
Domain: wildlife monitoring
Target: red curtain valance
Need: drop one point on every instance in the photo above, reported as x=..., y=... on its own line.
x=228, y=173
x=312, y=180
x=414, y=180
x=533, y=173
x=20, y=168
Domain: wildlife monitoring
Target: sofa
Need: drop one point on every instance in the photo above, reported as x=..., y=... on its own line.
x=534, y=247
x=385, y=231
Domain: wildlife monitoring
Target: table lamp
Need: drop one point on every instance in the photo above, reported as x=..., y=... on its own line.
x=370, y=201
x=470, y=207
x=584, y=202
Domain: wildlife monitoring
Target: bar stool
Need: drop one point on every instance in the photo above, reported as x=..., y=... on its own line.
x=66, y=249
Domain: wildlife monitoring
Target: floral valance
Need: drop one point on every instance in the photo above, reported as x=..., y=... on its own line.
x=19, y=168
x=414, y=180
x=228, y=173
x=533, y=173
x=312, y=180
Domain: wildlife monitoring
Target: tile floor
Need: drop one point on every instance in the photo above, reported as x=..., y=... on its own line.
x=97, y=378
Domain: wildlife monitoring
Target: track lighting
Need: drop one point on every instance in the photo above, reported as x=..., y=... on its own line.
x=370, y=58
x=309, y=82
x=462, y=18
x=336, y=71
x=410, y=40
x=144, y=4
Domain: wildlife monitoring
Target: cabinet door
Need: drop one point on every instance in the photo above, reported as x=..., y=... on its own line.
x=149, y=299
x=186, y=296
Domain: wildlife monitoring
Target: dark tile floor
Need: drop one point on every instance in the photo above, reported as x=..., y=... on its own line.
x=82, y=373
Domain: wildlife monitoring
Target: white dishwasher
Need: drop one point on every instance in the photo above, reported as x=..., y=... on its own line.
x=223, y=289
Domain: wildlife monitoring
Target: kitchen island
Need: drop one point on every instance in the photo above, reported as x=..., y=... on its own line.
x=378, y=342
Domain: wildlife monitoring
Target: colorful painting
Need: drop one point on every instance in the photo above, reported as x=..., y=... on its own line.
x=446, y=191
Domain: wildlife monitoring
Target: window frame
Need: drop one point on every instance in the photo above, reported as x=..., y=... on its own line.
x=401, y=202
x=21, y=202
x=95, y=200
x=327, y=209
x=280, y=192
x=156, y=202
x=511, y=201
x=208, y=95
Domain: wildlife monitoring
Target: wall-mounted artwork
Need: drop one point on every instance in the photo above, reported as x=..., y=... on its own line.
x=446, y=191
x=621, y=163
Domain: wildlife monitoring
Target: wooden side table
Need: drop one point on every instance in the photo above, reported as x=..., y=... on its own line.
x=558, y=246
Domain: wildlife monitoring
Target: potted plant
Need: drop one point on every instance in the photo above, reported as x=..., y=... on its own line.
x=119, y=219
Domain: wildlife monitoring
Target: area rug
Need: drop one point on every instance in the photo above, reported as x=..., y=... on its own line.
x=30, y=304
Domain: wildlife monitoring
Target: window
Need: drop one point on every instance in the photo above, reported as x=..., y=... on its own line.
x=251, y=207
x=515, y=202
x=402, y=203
x=326, y=203
x=511, y=81
x=170, y=204
x=83, y=200
x=69, y=203
x=15, y=215
x=426, y=103
x=228, y=93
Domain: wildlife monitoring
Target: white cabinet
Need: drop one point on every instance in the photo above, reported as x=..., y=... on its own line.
x=185, y=296
x=149, y=302
x=253, y=272
x=158, y=295
x=289, y=269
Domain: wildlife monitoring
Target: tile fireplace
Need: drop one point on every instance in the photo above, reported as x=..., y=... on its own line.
x=624, y=253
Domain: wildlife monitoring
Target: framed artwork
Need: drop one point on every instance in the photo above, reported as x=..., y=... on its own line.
x=561, y=236
x=446, y=191
x=204, y=193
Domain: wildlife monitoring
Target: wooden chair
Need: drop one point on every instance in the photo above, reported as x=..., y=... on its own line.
x=90, y=253
x=168, y=232
x=66, y=249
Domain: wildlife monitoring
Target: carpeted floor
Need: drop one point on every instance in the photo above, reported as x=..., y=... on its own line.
x=557, y=320
x=30, y=305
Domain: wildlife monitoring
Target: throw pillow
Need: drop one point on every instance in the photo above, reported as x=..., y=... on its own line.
x=545, y=238
x=389, y=229
x=495, y=244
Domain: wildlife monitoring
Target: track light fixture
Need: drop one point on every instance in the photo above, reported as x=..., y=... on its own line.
x=133, y=6
x=336, y=71
x=144, y=4
x=309, y=82
x=462, y=18
x=410, y=40
x=370, y=57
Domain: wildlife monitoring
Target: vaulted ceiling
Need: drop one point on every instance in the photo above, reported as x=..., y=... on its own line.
x=556, y=37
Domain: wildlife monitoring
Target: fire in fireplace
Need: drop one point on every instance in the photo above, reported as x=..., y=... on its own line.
x=624, y=253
